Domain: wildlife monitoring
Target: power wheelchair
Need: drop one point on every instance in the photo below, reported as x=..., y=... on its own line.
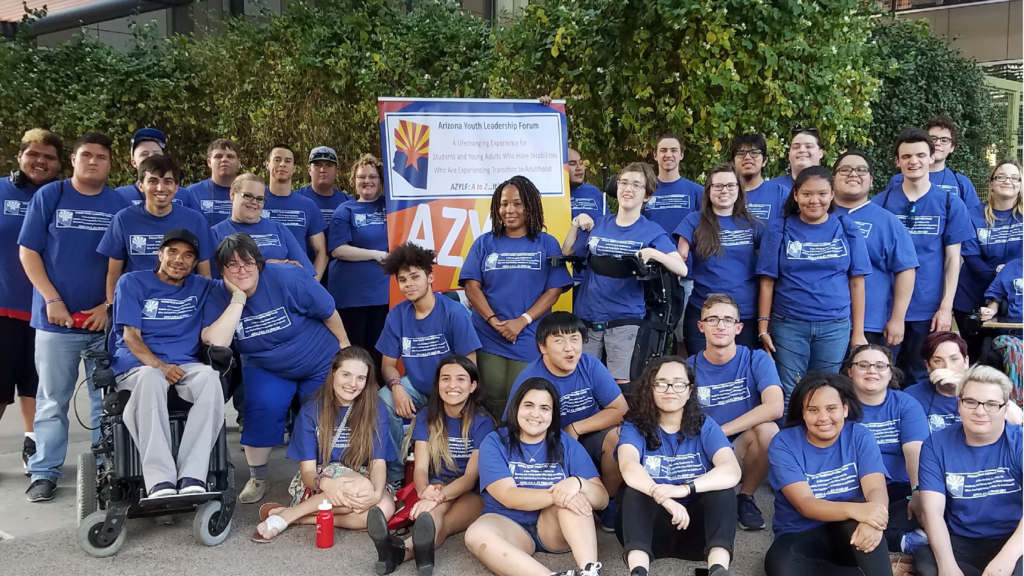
x=110, y=483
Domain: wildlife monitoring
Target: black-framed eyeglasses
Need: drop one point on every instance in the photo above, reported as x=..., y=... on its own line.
x=972, y=404
x=755, y=154
x=253, y=198
x=910, y=214
x=731, y=187
x=1003, y=179
x=847, y=170
x=944, y=140
x=235, y=266
x=878, y=366
x=677, y=387
x=728, y=321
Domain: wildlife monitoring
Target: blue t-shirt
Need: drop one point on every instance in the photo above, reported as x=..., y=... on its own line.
x=133, y=194
x=603, y=298
x=530, y=469
x=680, y=458
x=735, y=272
x=282, y=328
x=992, y=246
x=65, y=226
x=461, y=447
x=363, y=225
x=421, y=344
x=942, y=411
x=899, y=419
x=933, y=230
x=947, y=181
x=212, y=199
x=170, y=318
x=765, y=202
x=15, y=289
x=785, y=184
x=513, y=273
x=275, y=241
x=588, y=390
x=812, y=265
x=325, y=204
x=833, y=473
x=982, y=484
x=1009, y=286
x=590, y=200
x=296, y=213
x=673, y=201
x=891, y=251
x=134, y=235
x=305, y=442
x=730, y=390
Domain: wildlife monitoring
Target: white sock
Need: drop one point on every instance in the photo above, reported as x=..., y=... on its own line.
x=31, y=435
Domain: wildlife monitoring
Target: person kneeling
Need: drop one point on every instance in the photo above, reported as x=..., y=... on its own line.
x=540, y=489
x=448, y=437
x=341, y=442
x=675, y=506
x=831, y=504
x=158, y=322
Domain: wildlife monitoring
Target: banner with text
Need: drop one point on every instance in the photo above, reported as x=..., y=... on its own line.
x=443, y=158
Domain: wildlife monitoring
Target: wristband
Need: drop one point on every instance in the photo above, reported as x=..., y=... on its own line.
x=764, y=319
x=529, y=320
x=580, y=480
x=576, y=222
x=57, y=299
x=691, y=487
x=316, y=482
x=393, y=382
x=488, y=321
x=238, y=298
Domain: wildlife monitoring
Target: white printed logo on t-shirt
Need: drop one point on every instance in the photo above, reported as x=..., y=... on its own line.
x=15, y=208
x=830, y=482
x=169, y=308
x=83, y=220
x=425, y=346
x=982, y=484
x=797, y=250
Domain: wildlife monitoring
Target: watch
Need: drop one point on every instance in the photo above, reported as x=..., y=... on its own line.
x=691, y=487
x=576, y=222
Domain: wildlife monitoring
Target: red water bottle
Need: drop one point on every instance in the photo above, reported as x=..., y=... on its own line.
x=324, y=525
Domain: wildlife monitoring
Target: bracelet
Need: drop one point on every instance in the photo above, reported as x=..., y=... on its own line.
x=488, y=320
x=573, y=426
x=316, y=482
x=529, y=320
x=759, y=334
x=393, y=382
x=580, y=480
x=57, y=299
x=764, y=319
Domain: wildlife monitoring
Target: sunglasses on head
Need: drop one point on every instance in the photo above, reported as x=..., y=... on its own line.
x=800, y=129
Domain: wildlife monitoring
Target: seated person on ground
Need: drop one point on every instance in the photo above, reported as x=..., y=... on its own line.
x=448, y=436
x=341, y=443
x=971, y=485
x=831, y=506
x=158, y=319
x=1009, y=287
x=592, y=404
x=421, y=331
x=740, y=389
x=679, y=471
x=540, y=490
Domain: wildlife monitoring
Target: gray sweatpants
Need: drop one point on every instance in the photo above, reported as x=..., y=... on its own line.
x=145, y=416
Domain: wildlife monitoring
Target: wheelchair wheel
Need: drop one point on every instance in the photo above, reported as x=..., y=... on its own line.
x=88, y=536
x=203, y=526
x=86, y=502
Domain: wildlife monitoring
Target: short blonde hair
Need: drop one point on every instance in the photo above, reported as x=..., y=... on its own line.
x=981, y=374
x=44, y=137
x=367, y=160
x=236, y=184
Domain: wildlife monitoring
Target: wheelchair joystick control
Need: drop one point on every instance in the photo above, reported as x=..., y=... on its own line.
x=102, y=376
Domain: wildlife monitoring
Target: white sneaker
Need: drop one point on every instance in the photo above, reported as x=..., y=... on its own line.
x=591, y=569
x=254, y=491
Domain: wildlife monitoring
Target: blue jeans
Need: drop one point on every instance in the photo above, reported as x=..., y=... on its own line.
x=802, y=346
x=57, y=359
x=396, y=468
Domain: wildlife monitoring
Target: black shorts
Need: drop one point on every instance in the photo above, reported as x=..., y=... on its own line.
x=593, y=442
x=17, y=360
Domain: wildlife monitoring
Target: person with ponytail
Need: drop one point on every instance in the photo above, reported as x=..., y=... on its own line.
x=448, y=436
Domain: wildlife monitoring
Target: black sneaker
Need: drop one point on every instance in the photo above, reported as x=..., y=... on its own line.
x=41, y=490
x=639, y=571
x=28, y=450
x=749, y=514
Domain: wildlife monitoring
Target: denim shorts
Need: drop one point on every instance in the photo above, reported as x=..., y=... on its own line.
x=538, y=546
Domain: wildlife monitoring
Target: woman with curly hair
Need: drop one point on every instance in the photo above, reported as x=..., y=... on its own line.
x=679, y=470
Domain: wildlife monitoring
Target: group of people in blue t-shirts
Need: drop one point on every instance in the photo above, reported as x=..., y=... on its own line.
x=814, y=351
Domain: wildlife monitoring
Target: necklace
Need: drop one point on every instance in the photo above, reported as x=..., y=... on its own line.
x=533, y=455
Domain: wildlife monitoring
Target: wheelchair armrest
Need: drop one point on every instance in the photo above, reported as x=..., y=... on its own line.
x=102, y=376
x=220, y=358
x=562, y=260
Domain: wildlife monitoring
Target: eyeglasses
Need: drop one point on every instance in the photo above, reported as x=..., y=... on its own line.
x=662, y=387
x=253, y=198
x=878, y=366
x=728, y=321
x=731, y=187
x=236, y=266
x=800, y=129
x=1003, y=178
x=628, y=184
x=911, y=211
x=972, y=404
x=847, y=170
x=368, y=177
x=944, y=140
x=755, y=154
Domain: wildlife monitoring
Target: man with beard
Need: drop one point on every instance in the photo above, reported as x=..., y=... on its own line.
x=764, y=197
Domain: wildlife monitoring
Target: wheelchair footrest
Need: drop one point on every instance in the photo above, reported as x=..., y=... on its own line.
x=179, y=500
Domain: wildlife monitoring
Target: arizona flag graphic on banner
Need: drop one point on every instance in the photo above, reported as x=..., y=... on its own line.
x=412, y=146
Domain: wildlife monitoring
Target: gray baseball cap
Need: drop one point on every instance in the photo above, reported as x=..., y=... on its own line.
x=323, y=153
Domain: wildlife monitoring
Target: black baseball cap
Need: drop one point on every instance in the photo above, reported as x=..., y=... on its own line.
x=183, y=235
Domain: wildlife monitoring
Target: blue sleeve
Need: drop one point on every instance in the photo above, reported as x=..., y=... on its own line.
x=903, y=255
x=930, y=475
x=628, y=434
x=869, y=455
x=581, y=247
x=460, y=329
x=471, y=268
x=482, y=426
x=606, y=390
x=340, y=232
x=303, y=446
x=663, y=243
x=420, y=432
x=217, y=300
x=127, y=302
x=112, y=245
x=40, y=212
x=686, y=228
x=577, y=461
x=784, y=466
x=768, y=257
x=296, y=251
x=913, y=422
x=390, y=342
x=860, y=261
x=315, y=300
x=975, y=263
x=765, y=373
x=207, y=241
x=712, y=438
x=186, y=199
x=958, y=224
x=558, y=276
x=970, y=197
x=383, y=445
x=997, y=289
x=492, y=461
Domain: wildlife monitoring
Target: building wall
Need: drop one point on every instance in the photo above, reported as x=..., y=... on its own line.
x=987, y=31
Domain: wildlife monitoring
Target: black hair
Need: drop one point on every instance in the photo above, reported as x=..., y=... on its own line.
x=93, y=138
x=559, y=323
x=707, y=238
x=913, y=136
x=751, y=141
x=553, y=437
x=282, y=147
x=158, y=165
x=533, y=209
x=813, y=381
x=858, y=154
x=241, y=244
x=943, y=121
x=895, y=374
x=409, y=255
x=645, y=414
x=790, y=207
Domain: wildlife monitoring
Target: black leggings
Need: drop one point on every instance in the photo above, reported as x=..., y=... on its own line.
x=972, y=556
x=825, y=551
x=898, y=522
x=643, y=524
x=363, y=324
